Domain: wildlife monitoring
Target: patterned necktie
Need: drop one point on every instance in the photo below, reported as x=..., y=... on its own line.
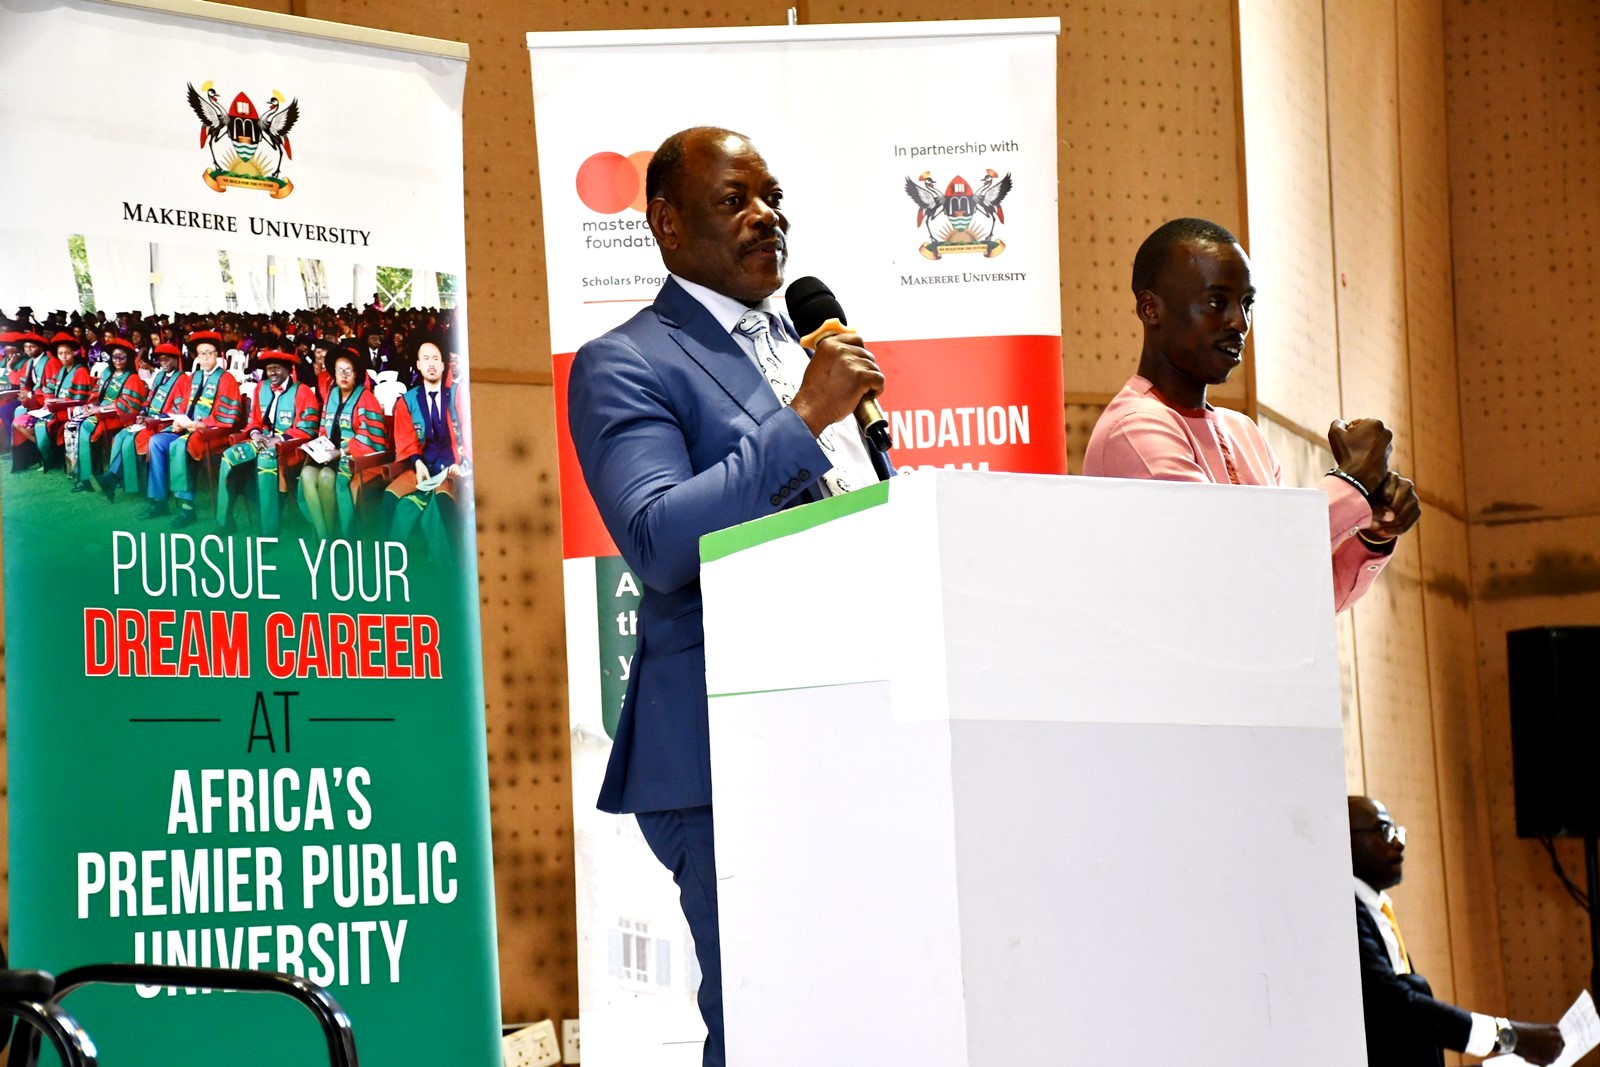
x=755, y=325
x=1405, y=959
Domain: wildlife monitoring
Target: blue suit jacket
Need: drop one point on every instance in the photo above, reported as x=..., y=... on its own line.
x=678, y=435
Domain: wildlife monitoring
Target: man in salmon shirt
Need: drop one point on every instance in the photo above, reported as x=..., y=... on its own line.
x=1191, y=284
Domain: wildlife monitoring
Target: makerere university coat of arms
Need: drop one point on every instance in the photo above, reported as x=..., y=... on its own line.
x=968, y=217
x=247, y=149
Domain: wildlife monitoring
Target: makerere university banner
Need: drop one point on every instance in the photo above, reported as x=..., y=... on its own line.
x=243, y=673
x=918, y=163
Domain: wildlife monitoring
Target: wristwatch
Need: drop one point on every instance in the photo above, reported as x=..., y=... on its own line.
x=1505, y=1038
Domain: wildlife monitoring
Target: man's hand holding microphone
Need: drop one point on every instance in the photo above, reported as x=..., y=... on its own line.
x=842, y=376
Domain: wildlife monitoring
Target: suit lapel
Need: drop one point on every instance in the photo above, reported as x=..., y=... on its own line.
x=703, y=340
x=715, y=351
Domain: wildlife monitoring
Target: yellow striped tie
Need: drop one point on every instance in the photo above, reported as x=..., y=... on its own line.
x=1405, y=958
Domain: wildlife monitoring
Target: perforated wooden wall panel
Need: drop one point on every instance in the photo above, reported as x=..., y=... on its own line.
x=1434, y=440
x=1369, y=281
x=1473, y=908
x=1435, y=462
x=1524, y=92
x=524, y=657
x=1523, y=89
x=1368, y=286
x=1291, y=239
x=1531, y=574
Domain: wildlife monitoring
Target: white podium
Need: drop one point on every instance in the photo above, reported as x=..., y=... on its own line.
x=1017, y=770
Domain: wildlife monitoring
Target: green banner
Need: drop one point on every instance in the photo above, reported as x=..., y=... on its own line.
x=247, y=752
x=245, y=712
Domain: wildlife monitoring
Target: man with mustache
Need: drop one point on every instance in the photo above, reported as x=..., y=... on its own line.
x=1194, y=297
x=1406, y=1027
x=700, y=412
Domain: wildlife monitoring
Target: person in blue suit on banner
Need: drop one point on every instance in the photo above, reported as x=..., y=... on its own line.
x=428, y=438
x=700, y=412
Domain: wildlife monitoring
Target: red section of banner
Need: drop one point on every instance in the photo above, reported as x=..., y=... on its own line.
x=582, y=532
x=972, y=403
x=976, y=403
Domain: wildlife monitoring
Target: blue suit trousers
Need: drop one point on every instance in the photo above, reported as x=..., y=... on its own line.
x=682, y=840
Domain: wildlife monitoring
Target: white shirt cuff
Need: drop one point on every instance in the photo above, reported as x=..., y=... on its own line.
x=1481, y=1040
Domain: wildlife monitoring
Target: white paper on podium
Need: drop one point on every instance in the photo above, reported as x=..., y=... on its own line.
x=1580, y=1028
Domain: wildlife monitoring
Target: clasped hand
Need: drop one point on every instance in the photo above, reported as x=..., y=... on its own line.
x=1361, y=449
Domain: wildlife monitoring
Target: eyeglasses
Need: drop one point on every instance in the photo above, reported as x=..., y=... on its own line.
x=1391, y=832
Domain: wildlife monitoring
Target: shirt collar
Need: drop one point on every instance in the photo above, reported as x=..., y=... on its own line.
x=1370, y=896
x=725, y=309
x=1147, y=387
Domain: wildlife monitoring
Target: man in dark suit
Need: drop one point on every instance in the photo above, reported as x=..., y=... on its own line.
x=1406, y=1026
x=701, y=412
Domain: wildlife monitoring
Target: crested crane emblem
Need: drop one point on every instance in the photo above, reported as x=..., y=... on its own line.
x=247, y=148
x=961, y=218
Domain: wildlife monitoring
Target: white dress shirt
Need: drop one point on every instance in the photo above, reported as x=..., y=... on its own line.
x=853, y=461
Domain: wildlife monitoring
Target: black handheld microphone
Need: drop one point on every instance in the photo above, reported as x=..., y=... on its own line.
x=818, y=314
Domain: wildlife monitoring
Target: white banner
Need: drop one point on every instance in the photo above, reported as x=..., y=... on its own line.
x=865, y=126
x=375, y=134
x=844, y=116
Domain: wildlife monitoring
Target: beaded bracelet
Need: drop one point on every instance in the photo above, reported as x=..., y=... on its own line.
x=1337, y=473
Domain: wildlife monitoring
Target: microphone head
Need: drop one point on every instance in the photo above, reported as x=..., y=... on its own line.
x=811, y=303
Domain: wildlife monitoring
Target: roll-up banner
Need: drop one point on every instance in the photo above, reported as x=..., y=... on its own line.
x=918, y=163
x=243, y=671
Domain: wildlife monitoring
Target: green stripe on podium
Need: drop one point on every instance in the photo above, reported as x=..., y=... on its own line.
x=722, y=543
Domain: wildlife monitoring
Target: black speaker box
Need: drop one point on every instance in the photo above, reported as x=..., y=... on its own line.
x=1555, y=729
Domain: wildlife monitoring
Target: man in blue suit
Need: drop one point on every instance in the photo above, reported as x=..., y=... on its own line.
x=701, y=412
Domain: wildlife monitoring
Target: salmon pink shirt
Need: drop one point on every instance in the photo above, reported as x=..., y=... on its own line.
x=1141, y=435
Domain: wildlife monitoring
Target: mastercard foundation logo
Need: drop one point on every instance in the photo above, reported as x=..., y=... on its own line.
x=609, y=183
